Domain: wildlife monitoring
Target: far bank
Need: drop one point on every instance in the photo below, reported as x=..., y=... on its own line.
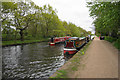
x=19, y=42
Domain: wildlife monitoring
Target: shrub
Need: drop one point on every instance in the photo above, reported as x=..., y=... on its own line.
x=110, y=39
x=117, y=44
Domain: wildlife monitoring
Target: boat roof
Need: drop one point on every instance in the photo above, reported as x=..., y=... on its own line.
x=82, y=38
x=73, y=38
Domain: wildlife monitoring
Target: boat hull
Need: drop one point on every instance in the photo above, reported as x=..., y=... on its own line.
x=69, y=51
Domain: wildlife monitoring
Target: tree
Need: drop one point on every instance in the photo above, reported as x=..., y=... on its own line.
x=30, y=21
x=106, y=16
x=22, y=18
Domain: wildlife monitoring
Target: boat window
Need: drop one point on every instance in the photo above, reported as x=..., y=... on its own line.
x=69, y=44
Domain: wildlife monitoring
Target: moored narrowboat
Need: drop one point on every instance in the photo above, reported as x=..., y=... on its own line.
x=73, y=44
x=55, y=40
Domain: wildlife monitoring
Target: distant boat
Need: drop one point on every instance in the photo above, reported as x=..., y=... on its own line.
x=55, y=40
x=73, y=44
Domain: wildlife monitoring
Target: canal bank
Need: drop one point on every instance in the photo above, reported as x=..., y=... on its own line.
x=18, y=42
x=71, y=66
x=100, y=61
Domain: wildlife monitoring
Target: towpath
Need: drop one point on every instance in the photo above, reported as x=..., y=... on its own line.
x=100, y=61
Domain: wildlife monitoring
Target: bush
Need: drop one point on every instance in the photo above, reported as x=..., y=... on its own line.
x=117, y=44
x=115, y=41
x=110, y=39
x=28, y=37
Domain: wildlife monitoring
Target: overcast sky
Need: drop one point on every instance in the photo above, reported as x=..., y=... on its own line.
x=74, y=11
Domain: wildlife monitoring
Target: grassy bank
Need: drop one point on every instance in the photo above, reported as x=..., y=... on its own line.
x=18, y=42
x=72, y=65
x=114, y=41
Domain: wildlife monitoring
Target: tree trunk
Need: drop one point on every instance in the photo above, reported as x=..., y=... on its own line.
x=36, y=31
x=15, y=35
x=21, y=35
x=47, y=32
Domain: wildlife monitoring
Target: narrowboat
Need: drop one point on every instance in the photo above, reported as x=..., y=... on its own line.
x=73, y=44
x=55, y=40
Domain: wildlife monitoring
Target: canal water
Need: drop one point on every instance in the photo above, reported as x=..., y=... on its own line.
x=38, y=60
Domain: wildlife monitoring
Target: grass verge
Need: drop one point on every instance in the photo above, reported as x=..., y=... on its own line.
x=117, y=44
x=114, y=41
x=71, y=66
x=18, y=42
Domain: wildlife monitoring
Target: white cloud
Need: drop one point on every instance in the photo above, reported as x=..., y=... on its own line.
x=74, y=11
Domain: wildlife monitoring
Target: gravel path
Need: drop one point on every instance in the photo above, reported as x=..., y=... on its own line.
x=100, y=61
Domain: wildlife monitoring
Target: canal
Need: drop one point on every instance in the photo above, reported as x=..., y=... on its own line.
x=38, y=60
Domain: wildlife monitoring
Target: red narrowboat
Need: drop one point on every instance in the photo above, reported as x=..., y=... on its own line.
x=55, y=40
x=73, y=44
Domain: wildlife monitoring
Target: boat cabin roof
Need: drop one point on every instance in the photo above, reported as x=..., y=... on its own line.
x=73, y=38
x=82, y=38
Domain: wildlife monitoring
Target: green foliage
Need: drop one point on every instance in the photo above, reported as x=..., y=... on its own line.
x=61, y=74
x=117, y=44
x=115, y=41
x=27, y=21
x=83, y=50
x=106, y=15
x=74, y=68
x=107, y=19
x=16, y=42
x=110, y=39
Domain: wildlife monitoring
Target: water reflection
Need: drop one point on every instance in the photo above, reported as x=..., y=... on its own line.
x=37, y=60
x=67, y=57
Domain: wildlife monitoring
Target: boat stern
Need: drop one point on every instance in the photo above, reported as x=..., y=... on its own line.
x=70, y=51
